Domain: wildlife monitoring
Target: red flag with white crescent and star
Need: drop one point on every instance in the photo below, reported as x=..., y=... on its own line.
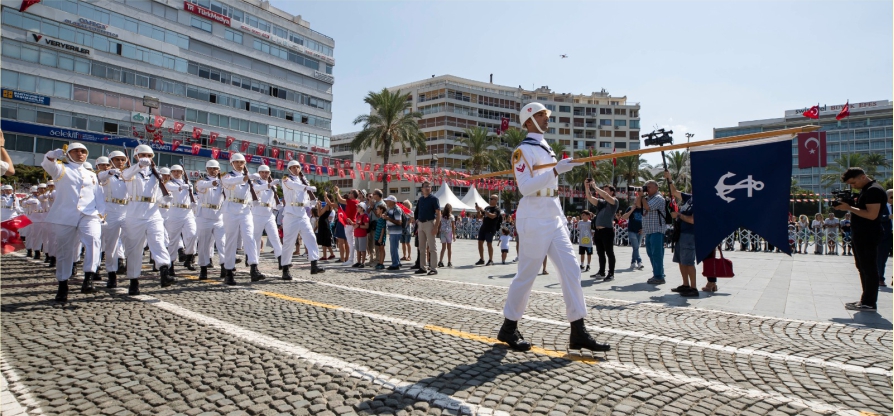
x=274, y=152
x=813, y=112
x=212, y=137
x=811, y=149
x=175, y=144
x=845, y=111
x=244, y=146
x=229, y=142
x=26, y=4
x=290, y=155
x=159, y=120
x=195, y=148
x=280, y=164
x=215, y=153
x=178, y=126
x=9, y=233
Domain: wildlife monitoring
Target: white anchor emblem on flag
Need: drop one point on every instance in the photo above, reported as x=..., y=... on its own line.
x=723, y=189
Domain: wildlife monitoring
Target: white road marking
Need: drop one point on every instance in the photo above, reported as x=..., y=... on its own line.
x=660, y=338
x=353, y=370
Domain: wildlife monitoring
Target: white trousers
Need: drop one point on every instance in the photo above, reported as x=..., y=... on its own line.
x=139, y=232
x=49, y=239
x=34, y=237
x=111, y=240
x=87, y=232
x=181, y=230
x=352, y=254
x=210, y=232
x=541, y=238
x=267, y=223
x=236, y=226
x=292, y=225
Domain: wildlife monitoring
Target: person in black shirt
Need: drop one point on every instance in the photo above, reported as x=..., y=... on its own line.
x=489, y=225
x=866, y=229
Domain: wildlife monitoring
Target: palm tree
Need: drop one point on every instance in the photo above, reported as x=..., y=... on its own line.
x=632, y=169
x=873, y=161
x=678, y=165
x=389, y=122
x=832, y=177
x=510, y=139
x=480, y=147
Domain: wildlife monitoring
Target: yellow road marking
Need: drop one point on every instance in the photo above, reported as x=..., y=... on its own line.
x=213, y=282
x=299, y=300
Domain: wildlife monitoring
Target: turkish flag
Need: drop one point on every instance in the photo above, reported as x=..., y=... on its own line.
x=290, y=155
x=614, y=159
x=159, y=120
x=9, y=233
x=280, y=164
x=319, y=170
x=811, y=149
x=229, y=142
x=195, y=148
x=377, y=167
x=341, y=173
x=504, y=124
x=25, y=5
x=178, y=126
x=212, y=137
x=260, y=150
x=845, y=111
x=196, y=132
x=244, y=146
x=215, y=153
x=813, y=112
x=274, y=152
x=362, y=176
x=306, y=168
x=359, y=166
x=159, y=138
x=367, y=167
x=301, y=158
x=265, y=161
x=389, y=177
x=175, y=144
x=351, y=172
x=379, y=176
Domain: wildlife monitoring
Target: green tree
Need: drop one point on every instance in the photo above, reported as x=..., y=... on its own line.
x=832, y=177
x=510, y=139
x=678, y=166
x=631, y=169
x=481, y=149
x=389, y=122
x=873, y=161
x=25, y=174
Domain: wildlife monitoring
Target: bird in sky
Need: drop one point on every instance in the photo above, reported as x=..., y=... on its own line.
x=563, y=56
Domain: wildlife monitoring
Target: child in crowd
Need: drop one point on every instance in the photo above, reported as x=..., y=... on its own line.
x=381, y=210
x=504, y=243
x=361, y=227
x=586, y=239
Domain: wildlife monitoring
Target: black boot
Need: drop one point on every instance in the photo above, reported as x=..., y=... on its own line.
x=255, y=274
x=279, y=262
x=121, y=265
x=62, y=292
x=36, y=255
x=180, y=255
x=510, y=335
x=30, y=253
x=223, y=273
x=285, y=273
x=171, y=270
x=314, y=269
x=203, y=274
x=165, y=277
x=581, y=339
x=87, y=286
x=97, y=277
x=229, y=279
x=74, y=270
x=188, y=263
x=113, y=280
x=51, y=262
x=152, y=262
x=134, y=288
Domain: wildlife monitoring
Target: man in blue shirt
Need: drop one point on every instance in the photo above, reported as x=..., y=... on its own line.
x=653, y=228
x=428, y=219
x=394, y=219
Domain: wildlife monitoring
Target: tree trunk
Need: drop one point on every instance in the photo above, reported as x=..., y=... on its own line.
x=386, y=152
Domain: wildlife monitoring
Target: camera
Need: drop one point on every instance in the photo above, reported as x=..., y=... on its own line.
x=843, y=196
x=658, y=137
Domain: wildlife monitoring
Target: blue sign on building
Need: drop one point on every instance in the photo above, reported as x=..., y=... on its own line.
x=25, y=96
x=18, y=127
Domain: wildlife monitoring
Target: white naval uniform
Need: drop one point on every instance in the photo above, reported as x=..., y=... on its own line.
x=238, y=220
x=543, y=232
x=264, y=219
x=295, y=220
x=144, y=223
x=75, y=215
x=115, y=190
x=46, y=231
x=180, y=222
x=33, y=231
x=208, y=220
x=9, y=207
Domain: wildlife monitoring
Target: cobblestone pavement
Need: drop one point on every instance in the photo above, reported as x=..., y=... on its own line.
x=361, y=342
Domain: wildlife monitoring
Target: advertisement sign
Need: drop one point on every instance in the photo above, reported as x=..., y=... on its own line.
x=285, y=43
x=208, y=14
x=25, y=96
x=834, y=109
x=144, y=118
x=91, y=26
x=58, y=43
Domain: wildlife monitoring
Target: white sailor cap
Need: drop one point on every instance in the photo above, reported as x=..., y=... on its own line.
x=164, y=171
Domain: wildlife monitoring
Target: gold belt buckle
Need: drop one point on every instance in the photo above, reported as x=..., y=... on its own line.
x=297, y=204
x=237, y=200
x=183, y=206
x=145, y=199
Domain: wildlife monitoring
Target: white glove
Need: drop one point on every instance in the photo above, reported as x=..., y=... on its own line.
x=192, y=205
x=144, y=162
x=113, y=171
x=167, y=199
x=275, y=182
x=55, y=154
x=312, y=188
x=565, y=165
x=254, y=177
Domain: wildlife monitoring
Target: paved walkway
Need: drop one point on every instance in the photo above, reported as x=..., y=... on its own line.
x=360, y=342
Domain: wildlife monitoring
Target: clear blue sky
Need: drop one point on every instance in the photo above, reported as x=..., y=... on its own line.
x=692, y=66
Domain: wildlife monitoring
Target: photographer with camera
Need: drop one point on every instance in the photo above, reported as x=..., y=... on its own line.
x=605, y=206
x=866, y=228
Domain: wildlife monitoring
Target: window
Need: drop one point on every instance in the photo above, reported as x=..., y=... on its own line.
x=605, y=122
x=44, y=117
x=564, y=108
x=634, y=124
x=620, y=134
x=621, y=145
x=550, y=107
x=605, y=145
x=620, y=123
x=233, y=36
x=621, y=111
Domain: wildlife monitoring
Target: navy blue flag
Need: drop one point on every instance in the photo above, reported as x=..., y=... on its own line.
x=743, y=185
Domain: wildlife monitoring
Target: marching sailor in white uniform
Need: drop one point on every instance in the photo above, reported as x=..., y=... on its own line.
x=543, y=232
x=144, y=223
x=9, y=204
x=32, y=210
x=263, y=210
x=115, y=190
x=238, y=220
x=46, y=233
x=296, y=193
x=75, y=215
x=209, y=223
x=181, y=221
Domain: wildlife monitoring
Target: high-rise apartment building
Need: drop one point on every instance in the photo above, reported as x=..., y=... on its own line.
x=867, y=130
x=238, y=71
x=451, y=104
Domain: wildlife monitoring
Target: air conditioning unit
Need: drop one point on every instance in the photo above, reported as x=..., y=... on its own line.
x=567, y=124
x=617, y=127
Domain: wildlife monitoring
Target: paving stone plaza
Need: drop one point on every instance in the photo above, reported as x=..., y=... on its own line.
x=775, y=339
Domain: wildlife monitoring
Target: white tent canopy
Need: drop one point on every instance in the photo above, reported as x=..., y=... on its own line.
x=472, y=197
x=446, y=196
